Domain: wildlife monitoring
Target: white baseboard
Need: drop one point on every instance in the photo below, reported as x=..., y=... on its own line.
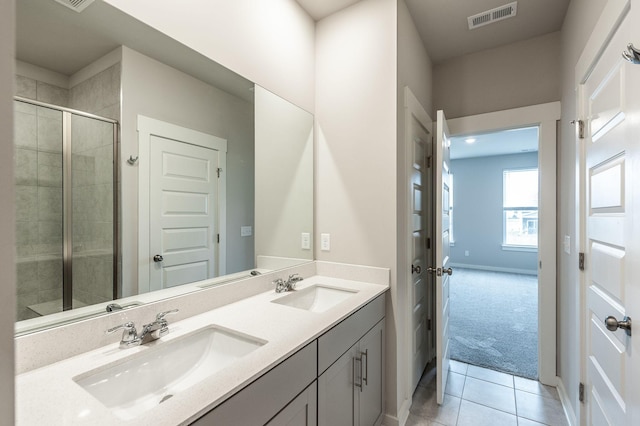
x=566, y=404
x=401, y=419
x=495, y=269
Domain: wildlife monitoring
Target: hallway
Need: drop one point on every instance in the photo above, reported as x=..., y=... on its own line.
x=477, y=396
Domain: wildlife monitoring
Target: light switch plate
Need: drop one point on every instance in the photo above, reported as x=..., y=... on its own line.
x=567, y=244
x=246, y=231
x=325, y=242
x=305, y=241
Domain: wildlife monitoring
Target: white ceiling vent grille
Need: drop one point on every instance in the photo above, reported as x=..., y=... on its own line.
x=77, y=5
x=493, y=15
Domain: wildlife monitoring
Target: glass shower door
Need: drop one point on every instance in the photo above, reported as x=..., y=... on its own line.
x=65, y=209
x=92, y=211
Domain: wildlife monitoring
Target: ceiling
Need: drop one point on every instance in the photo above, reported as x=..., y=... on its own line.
x=442, y=24
x=62, y=40
x=504, y=142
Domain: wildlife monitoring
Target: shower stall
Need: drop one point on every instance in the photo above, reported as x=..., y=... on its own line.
x=66, y=208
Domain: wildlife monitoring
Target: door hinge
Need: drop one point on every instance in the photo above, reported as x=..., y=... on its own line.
x=580, y=124
x=219, y=170
x=428, y=244
x=428, y=162
x=429, y=324
x=581, y=392
x=218, y=238
x=581, y=261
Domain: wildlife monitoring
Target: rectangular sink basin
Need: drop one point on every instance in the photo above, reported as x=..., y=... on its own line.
x=316, y=298
x=145, y=380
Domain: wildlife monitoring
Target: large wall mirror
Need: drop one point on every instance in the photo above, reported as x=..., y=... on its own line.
x=143, y=169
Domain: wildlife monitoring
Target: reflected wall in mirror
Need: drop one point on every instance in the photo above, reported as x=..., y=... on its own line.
x=111, y=68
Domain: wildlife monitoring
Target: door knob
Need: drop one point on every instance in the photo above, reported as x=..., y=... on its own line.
x=447, y=271
x=416, y=269
x=432, y=270
x=158, y=258
x=613, y=324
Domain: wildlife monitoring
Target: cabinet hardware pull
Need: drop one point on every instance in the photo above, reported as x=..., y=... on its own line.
x=365, y=378
x=355, y=383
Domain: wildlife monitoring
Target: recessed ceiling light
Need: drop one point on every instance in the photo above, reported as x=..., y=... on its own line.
x=470, y=140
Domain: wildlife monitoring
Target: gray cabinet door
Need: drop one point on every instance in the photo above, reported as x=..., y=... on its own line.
x=336, y=392
x=302, y=411
x=371, y=397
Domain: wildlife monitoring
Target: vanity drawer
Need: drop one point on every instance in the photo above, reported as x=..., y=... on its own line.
x=340, y=338
x=260, y=401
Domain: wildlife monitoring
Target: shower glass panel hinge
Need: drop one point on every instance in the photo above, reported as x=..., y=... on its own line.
x=429, y=324
x=219, y=170
x=581, y=261
x=581, y=392
x=218, y=238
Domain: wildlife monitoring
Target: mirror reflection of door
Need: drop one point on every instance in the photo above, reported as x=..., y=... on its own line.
x=183, y=229
x=182, y=205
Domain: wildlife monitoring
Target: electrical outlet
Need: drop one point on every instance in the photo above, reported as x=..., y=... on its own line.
x=325, y=242
x=246, y=231
x=305, y=243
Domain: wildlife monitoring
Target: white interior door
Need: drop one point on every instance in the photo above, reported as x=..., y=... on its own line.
x=181, y=205
x=419, y=151
x=441, y=268
x=610, y=100
x=183, y=229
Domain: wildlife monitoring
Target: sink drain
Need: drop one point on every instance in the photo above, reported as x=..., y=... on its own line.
x=164, y=398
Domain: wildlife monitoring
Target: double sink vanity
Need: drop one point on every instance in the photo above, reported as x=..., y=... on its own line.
x=310, y=355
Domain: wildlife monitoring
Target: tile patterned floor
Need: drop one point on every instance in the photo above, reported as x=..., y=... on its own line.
x=476, y=396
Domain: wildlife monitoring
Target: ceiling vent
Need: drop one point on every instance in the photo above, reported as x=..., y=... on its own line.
x=493, y=15
x=77, y=5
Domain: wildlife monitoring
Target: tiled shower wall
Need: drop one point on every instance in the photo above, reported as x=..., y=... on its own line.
x=38, y=140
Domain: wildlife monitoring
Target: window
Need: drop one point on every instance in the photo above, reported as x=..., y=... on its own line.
x=520, y=208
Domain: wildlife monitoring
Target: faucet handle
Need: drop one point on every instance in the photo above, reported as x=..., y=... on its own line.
x=129, y=327
x=279, y=283
x=129, y=335
x=161, y=315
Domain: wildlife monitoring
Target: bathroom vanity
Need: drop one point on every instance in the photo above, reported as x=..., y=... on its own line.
x=315, y=354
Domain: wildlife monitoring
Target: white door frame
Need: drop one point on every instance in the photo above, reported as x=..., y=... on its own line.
x=148, y=127
x=413, y=109
x=612, y=15
x=545, y=116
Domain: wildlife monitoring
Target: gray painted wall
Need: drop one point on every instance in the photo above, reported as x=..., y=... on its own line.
x=516, y=75
x=477, y=215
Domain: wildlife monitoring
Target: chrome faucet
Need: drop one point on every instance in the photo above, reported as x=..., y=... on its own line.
x=151, y=331
x=288, y=285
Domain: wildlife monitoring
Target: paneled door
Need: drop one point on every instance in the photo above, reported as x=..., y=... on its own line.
x=183, y=229
x=610, y=101
x=441, y=268
x=181, y=207
x=419, y=146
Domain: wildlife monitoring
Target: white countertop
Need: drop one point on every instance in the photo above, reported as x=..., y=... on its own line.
x=49, y=395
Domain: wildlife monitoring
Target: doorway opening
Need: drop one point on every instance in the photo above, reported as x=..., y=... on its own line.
x=494, y=250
